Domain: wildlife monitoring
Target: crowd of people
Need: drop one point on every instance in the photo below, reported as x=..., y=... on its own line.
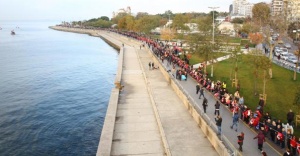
x=267, y=127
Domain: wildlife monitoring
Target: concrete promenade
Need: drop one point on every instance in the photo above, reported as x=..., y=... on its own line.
x=151, y=119
x=148, y=110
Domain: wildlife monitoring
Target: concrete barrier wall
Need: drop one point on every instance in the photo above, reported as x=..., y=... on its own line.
x=207, y=130
x=105, y=143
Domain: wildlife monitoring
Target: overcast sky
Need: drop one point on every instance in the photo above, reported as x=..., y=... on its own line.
x=86, y=9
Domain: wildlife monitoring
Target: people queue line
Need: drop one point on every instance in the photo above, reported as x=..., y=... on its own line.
x=267, y=127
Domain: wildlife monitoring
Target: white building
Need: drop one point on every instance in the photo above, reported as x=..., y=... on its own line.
x=277, y=7
x=242, y=8
x=122, y=10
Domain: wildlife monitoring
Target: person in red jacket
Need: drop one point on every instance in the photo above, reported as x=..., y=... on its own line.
x=298, y=146
x=260, y=140
x=293, y=144
x=240, y=141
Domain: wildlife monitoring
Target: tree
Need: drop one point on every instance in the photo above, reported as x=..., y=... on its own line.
x=116, y=19
x=126, y=23
x=291, y=30
x=297, y=53
x=167, y=34
x=147, y=23
x=297, y=99
x=249, y=27
x=256, y=38
x=238, y=20
x=259, y=62
x=105, y=18
x=203, y=25
x=235, y=55
x=179, y=21
x=261, y=13
x=163, y=21
x=141, y=14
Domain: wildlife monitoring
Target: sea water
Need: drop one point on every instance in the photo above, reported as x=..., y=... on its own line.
x=54, y=90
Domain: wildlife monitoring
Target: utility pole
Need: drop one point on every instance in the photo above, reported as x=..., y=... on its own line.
x=213, y=38
x=169, y=28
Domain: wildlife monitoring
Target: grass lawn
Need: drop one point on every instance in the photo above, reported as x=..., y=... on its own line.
x=280, y=90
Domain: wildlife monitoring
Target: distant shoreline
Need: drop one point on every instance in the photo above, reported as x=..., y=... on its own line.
x=77, y=30
x=95, y=33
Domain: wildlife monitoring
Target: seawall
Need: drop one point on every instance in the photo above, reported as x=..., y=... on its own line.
x=105, y=144
x=95, y=33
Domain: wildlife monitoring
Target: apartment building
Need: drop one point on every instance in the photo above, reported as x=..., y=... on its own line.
x=277, y=7
x=241, y=8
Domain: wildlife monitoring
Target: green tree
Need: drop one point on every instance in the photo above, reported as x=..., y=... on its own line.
x=147, y=23
x=105, y=18
x=238, y=20
x=203, y=25
x=259, y=62
x=235, y=54
x=141, y=14
x=116, y=19
x=179, y=21
x=297, y=100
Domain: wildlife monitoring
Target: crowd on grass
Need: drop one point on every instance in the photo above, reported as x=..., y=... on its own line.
x=275, y=130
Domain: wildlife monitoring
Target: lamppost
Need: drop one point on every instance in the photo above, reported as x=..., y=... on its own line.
x=213, y=38
x=169, y=28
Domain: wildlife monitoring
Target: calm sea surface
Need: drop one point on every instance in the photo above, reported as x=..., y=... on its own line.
x=54, y=90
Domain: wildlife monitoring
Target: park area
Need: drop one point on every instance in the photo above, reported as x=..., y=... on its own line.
x=281, y=89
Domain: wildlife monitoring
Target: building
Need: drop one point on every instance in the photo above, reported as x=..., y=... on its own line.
x=241, y=8
x=277, y=7
x=122, y=10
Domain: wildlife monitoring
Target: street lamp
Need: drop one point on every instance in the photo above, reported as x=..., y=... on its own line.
x=213, y=37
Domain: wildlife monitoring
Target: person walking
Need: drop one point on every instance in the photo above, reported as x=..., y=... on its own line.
x=197, y=88
x=240, y=141
x=260, y=140
x=204, y=104
x=217, y=108
x=218, y=120
x=290, y=117
x=263, y=153
x=293, y=144
x=235, y=120
x=152, y=65
x=201, y=92
x=149, y=65
x=287, y=152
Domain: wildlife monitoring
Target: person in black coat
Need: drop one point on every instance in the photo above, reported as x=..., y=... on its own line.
x=217, y=108
x=290, y=117
x=197, y=88
x=218, y=120
x=204, y=104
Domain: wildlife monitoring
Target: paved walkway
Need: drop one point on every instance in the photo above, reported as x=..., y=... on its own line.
x=137, y=126
x=250, y=145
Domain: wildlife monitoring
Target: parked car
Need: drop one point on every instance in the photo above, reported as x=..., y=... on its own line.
x=277, y=51
x=284, y=50
x=284, y=55
x=287, y=45
x=291, y=55
x=292, y=59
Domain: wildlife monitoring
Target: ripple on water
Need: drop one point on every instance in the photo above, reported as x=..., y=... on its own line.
x=54, y=95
